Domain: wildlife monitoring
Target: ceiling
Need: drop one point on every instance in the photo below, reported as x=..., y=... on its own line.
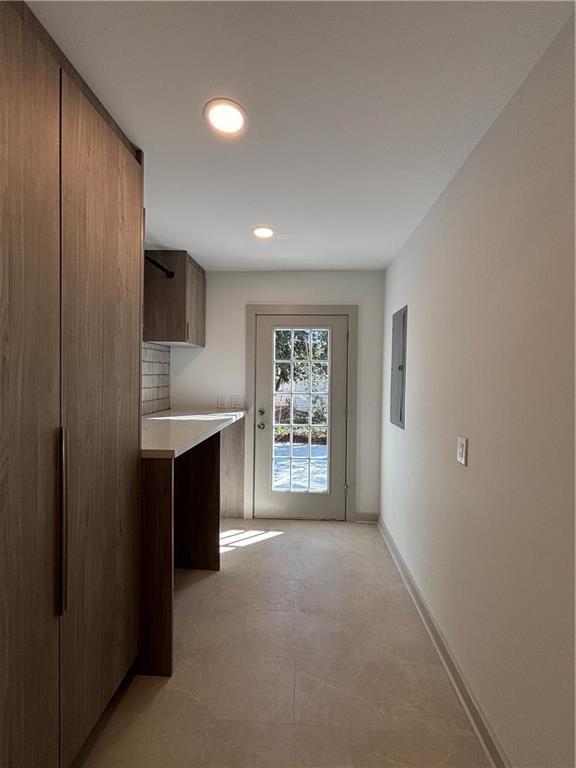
x=359, y=114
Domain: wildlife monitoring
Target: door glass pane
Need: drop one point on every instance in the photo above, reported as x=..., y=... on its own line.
x=282, y=377
x=300, y=442
x=319, y=377
x=282, y=409
x=299, y=475
x=319, y=476
x=282, y=442
x=301, y=409
x=320, y=343
x=283, y=345
x=301, y=377
x=281, y=474
x=301, y=452
x=320, y=409
x=319, y=443
x=301, y=349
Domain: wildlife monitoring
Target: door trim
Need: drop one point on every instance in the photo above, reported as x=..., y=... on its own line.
x=351, y=312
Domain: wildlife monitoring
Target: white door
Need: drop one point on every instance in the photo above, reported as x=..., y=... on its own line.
x=300, y=416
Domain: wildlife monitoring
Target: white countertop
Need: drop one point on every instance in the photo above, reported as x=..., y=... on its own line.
x=168, y=434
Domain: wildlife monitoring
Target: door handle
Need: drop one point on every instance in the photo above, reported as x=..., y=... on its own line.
x=261, y=425
x=261, y=411
x=64, y=507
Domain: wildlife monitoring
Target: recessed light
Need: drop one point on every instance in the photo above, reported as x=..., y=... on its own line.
x=225, y=117
x=263, y=232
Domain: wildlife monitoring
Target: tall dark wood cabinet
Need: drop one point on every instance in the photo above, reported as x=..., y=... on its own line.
x=101, y=316
x=71, y=280
x=29, y=396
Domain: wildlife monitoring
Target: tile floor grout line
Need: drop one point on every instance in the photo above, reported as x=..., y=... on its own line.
x=256, y=704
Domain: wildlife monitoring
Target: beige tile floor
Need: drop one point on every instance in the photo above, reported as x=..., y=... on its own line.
x=304, y=651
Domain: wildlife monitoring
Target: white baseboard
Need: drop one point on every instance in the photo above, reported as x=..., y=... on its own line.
x=478, y=720
x=366, y=517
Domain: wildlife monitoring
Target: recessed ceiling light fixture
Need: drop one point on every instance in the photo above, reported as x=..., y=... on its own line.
x=263, y=232
x=225, y=117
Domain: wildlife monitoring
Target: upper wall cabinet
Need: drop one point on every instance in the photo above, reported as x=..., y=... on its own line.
x=174, y=299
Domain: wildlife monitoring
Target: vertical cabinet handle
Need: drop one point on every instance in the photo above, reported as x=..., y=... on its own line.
x=64, y=481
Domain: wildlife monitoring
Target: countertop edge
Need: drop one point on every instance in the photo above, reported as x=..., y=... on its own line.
x=186, y=445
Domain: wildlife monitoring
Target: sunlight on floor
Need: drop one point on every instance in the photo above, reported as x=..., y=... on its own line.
x=237, y=537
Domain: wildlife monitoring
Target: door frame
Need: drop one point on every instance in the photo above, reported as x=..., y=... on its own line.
x=351, y=312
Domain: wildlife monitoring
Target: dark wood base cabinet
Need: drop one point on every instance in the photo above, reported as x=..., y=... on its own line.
x=181, y=522
x=183, y=500
x=71, y=273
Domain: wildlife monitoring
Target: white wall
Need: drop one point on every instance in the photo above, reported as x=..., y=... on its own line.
x=199, y=375
x=488, y=278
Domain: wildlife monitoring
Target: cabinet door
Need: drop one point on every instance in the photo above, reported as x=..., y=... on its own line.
x=196, y=304
x=101, y=341
x=165, y=297
x=29, y=396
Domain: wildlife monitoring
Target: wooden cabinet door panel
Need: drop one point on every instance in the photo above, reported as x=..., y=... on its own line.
x=29, y=396
x=101, y=340
x=165, y=298
x=174, y=308
x=196, y=304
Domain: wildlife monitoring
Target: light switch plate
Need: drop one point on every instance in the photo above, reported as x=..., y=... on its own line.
x=462, y=450
x=236, y=401
x=220, y=401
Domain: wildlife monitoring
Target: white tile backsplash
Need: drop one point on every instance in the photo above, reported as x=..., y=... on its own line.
x=155, y=377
